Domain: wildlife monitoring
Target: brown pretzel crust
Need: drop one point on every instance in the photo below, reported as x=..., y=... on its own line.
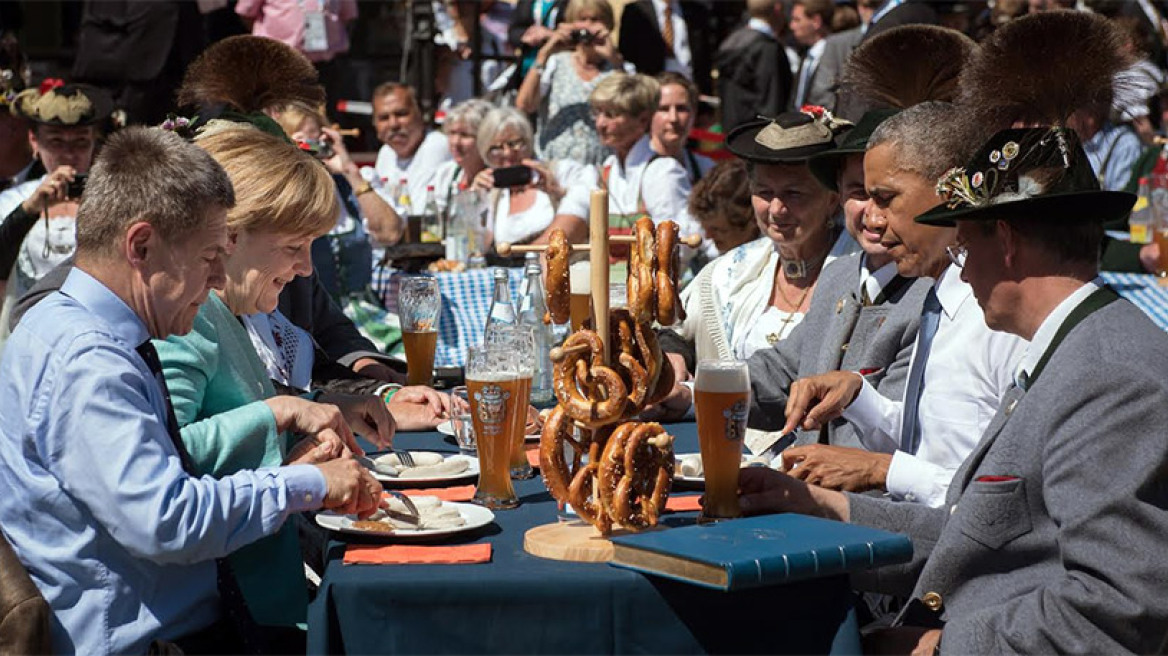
x=642, y=261
x=669, y=308
x=605, y=395
x=636, y=473
x=558, y=288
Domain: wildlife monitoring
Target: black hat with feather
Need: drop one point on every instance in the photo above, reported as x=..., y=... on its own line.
x=1026, y=81
x=895, y=70
x=239, y=77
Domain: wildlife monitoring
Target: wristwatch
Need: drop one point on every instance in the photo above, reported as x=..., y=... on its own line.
x=363, y=189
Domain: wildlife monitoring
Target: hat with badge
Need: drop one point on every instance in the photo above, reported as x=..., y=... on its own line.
x=56, y=103
x=895, y=70
x=789, y=138
x=1019, y=76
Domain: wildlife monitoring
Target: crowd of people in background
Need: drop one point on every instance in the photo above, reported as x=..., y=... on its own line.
x=223, y=243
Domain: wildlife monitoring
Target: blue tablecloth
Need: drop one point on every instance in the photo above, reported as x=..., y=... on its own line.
x=519, y=603
x=466, y=300
x=1143, y=290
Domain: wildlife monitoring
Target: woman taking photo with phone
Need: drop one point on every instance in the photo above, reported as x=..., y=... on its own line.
x=578, y=55
x=527, y=198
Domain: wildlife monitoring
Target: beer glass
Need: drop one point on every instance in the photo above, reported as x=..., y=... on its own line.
x=520, y=340
x=492, y=382
x=580, y=289
x=722, y=402
x=419, y=305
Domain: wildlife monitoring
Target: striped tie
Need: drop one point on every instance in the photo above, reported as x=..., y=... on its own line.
x=667, y=32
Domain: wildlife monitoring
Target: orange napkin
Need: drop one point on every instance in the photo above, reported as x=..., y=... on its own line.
x=683, y=503
x=457, y=493
x=533, y=455
x=401, y=554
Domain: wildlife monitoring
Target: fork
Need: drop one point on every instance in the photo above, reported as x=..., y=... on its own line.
x=405, y=458
x=412, y=517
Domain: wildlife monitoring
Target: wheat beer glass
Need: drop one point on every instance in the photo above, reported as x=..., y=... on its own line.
x=721, y=401
x=521, y=340
x=492, y=382
x=419, y=305
x=580, y=289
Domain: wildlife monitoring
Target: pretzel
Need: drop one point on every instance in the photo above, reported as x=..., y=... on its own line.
x=638, y=357
x=558, y=289
x=553, y=463
x=642, y=259
x=664, y=383
x=606, y=397
x=669, y=308
x=583, y=495
x=635, y=474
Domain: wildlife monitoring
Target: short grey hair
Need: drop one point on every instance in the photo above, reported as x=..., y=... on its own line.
x=929, y=138
x=152, y=175
x=469, y=113
x=498, y=120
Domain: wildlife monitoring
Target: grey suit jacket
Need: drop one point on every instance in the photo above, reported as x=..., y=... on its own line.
x=1052, y=539
x=826, y=82
x=837, y=333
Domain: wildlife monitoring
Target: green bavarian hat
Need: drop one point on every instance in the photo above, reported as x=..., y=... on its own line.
x=826, y=165
x=789, y=138
x=1032, y=173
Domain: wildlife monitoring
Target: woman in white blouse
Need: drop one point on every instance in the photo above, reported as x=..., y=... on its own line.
x=753, y=296
x=556, y=196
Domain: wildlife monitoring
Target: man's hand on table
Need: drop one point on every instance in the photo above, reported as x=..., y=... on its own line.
x=837, y=467
x=319, y=420
x=366, y=415
x=371, y=368
x=351, y=488
x=763, y=491
x=418, y=408
x=816, y=400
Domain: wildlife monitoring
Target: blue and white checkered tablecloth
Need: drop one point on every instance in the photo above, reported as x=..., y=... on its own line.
x=1144, y=291
x=466, y=301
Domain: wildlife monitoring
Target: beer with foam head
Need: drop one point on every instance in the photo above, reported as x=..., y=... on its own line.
x=580, y=300
x=494, y=404
x=419, y=306
x=519, y=466
x=722, y=403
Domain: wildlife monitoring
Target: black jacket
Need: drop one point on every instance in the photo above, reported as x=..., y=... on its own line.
x=754, y=77
x=642, y=44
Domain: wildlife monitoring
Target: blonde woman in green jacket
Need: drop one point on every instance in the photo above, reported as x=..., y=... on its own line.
x=230, y=414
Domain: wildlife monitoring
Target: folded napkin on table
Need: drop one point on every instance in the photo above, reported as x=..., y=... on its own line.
x=684, y=503
x=401, y=554
x=457, y=493
x=533, y=454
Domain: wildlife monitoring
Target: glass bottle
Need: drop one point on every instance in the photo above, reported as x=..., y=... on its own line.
x=532, y=309
x=502, y=309
x=431, y=218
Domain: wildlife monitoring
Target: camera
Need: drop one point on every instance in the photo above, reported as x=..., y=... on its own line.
x=513, y=176
x=77, y=186
x=582, y=35
x=318, y=148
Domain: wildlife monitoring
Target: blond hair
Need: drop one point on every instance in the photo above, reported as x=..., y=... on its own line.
x=292, y=117
x=599, y=8
x=622, y=93
x=278, y=188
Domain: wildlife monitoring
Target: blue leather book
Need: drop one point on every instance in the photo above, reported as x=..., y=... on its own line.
x=758, y=551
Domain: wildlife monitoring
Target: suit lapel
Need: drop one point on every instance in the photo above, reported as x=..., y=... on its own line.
x=847, y=311
x=1010, y=401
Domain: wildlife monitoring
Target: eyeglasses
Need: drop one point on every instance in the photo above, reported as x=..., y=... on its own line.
x=515, y=144
x=957, y=255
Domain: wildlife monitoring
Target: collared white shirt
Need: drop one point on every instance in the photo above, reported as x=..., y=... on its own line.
x=875, y=281
x=418, y=170
x=681, y=59
x=807, y=71
x=970, y=367
x=1046, y=331
x=662, y=183
x=759, y=25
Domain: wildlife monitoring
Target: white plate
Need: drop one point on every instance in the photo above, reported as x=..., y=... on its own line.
x=447, y=428
x=699, y=479
x=470, y=472
x=475, y=516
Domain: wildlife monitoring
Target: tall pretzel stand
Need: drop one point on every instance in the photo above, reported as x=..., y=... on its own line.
x=578, y=540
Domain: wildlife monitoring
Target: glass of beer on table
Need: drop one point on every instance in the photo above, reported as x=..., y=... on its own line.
x=521, y=340
x=419, y=305
x=721, y=402
x=580, y=289
x=492, y=382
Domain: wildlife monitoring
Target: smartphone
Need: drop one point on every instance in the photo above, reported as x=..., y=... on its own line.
x=513, y=176
x=581, y=35
x=77, y=186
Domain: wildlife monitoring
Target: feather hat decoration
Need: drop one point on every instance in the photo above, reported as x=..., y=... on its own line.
x=1041, y=68
x=908, y=65
x=251, y=74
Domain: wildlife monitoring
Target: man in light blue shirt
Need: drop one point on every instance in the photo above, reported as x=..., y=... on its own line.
x=119, y=539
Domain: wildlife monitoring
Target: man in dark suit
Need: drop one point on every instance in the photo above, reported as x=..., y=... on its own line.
x=668, y=35
x=754, y=76
x=893, y=13
x=1050, y=539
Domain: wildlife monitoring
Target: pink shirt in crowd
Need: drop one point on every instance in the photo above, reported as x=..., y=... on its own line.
x=283, y=20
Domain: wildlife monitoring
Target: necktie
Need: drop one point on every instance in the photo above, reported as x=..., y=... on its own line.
x=231, y=597
x=865, y=297
x=804, y=80
x=667, y=31
x=910, y=434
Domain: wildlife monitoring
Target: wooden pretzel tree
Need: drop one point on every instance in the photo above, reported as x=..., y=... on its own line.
x=621, y=470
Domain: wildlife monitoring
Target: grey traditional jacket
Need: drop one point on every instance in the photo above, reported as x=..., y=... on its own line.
x=1052, y=539
x=837, y=333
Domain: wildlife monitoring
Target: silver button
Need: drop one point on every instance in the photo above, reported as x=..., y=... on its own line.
x=308, y=497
